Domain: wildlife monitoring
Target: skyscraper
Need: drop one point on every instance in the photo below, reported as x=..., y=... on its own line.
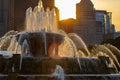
x=85, y=25
x=85, y=9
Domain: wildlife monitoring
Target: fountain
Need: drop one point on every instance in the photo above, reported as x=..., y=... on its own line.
x=59, y=73
x=43, y=52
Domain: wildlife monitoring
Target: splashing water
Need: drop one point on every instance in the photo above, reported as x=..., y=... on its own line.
x=12, y=44
x=106, y=51
x=25, y=48
x=68, y=48
x=79, y=42
x=6, y=40
x=114, y=50
x=21, y=38
x=39, y=20
x=81, y=54
x=5, y=44
x=59, y=73
x=45, y=43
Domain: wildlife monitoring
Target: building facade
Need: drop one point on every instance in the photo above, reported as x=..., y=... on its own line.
x=86, y=25
x=105, y=18
x=100, y=16
x=3, y=16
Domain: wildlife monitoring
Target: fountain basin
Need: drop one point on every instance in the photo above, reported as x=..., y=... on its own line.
x=39, y=42
x=47, y=65
x=70, y=66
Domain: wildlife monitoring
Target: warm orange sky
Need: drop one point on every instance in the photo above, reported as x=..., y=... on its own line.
x=67, y=9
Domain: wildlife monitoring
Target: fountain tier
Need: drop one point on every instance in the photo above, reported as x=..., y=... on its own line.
x=36, y=42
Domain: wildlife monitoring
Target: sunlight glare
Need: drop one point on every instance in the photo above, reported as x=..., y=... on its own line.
x=67, y=8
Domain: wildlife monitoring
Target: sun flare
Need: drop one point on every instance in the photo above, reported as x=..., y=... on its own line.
x=67, y=8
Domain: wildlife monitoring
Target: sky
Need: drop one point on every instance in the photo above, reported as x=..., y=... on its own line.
x=67, y=9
